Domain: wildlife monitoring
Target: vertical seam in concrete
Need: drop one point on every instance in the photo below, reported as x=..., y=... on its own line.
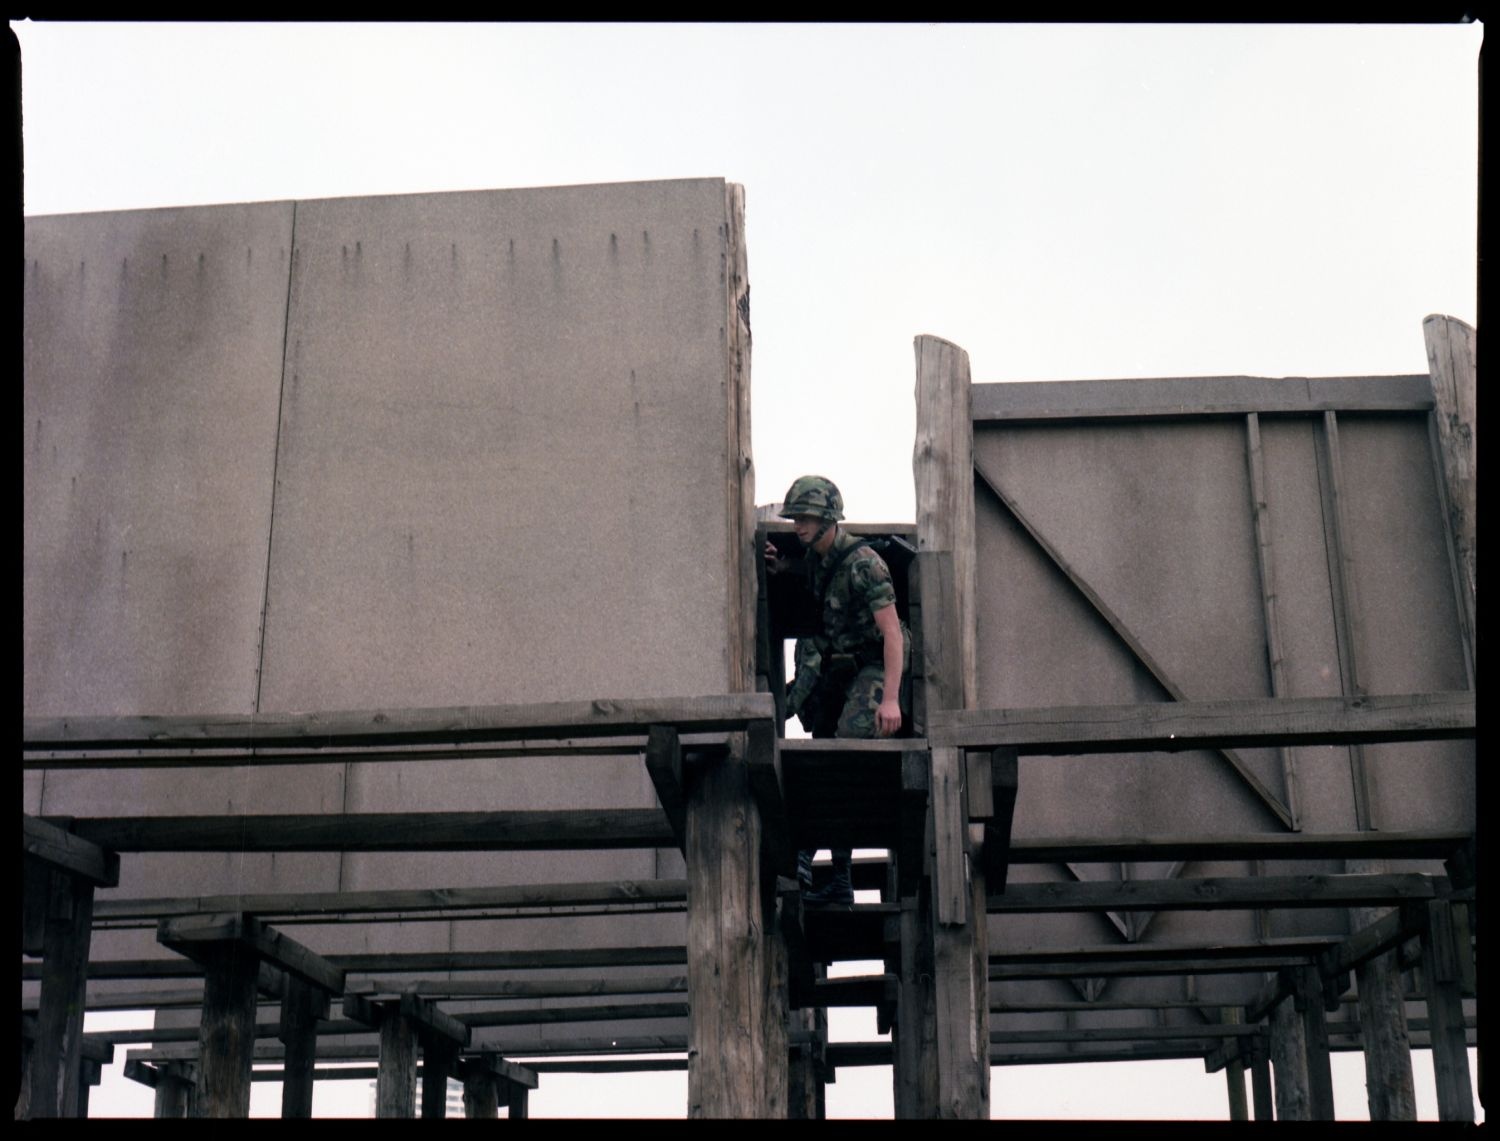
x=286, y=322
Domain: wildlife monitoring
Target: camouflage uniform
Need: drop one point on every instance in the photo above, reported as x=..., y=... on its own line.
x=840, y=679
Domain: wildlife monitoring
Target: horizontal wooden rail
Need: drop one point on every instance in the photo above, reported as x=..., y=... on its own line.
x=1434, y=845
x=1172, y=726
x=574, y=830
x=287, y=904
x=1217, y=893
x=1074, y=400
x=450, y=725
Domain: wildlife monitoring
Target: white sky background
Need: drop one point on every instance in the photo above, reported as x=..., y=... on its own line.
x=1063, y=202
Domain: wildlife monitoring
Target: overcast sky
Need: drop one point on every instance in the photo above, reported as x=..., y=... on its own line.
x=1063, y=202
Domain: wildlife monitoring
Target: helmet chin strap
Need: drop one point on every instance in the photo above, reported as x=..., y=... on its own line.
x=818, y=538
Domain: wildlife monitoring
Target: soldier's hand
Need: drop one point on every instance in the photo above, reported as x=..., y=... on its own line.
x=888, y=718
x=774, y=561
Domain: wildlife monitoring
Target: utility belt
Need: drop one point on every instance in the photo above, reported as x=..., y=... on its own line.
x=840, y=668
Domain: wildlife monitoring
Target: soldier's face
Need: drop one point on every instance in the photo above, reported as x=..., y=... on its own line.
x=806, y=527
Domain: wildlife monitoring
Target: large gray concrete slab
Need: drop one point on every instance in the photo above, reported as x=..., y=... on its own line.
x=492, y=399
x=152, y=356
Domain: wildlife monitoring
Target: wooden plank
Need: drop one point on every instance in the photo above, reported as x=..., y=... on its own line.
x=191, y=935
x=916, y=782
x=272, y=906
x=1175, y=967
x=556, y=1015
x=345, y=1051
x=226, y=1034
x=1309, y=1003
x=396, y=1079
x=1347, y=620
x=1442, y=971
x=739, y=468
x=36, y=888
x=471, y=723
x=1415, y=845
x=664, y=765
x=725, y=948
x=413, y=962
x=53, y=1059
x=1305, y=947
x=1260, y=1081
x=301, y=1007
x=430, y=1021
x=117, y=757
x=1132, y=642
x=573, y=830
x=950, y=838
x=64, y=852
x=522, y=988
x=1174, y=726
x=763, y=756
x=942, y=645
x=481, y=1094
x=942, y=466
x=439, y=1056
x=1216, y=893
x=1451, y=366
x=1175, y=397
x=1004, y=770
x=1206, y=1033
x=1288, y=1056
x=504, y=1068
x=1265, y=563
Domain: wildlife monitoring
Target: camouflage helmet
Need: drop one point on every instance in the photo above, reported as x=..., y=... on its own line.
x=813, y=495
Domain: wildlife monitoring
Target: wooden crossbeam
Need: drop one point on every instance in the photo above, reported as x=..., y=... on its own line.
x=1205, y=1033
x=271, y=906
x=62, y=851
x=573, y=830
x=602, y=717
x=522, y=988
x=553, y=1015
x=763, y=759
x=1217, y=893
x=1177, y=725
x=191, y=935
x=345, y=1051
x=412, y=962
x=664, y=766
x=1180, y=397
x=1209, y=847
x=1305, y=948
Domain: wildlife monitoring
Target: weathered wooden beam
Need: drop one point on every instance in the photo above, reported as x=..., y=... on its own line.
x=345, y=1051
x=1288, y=1057
x=269, y=907
x=1184, y=397
x=64, y=852
x=856, y=990
x=916, y=781
x=192, y=935
x=1306, y=948
x=1443, y=969
x=1309, y=1002
x=1174, y=726
x=519, y=988
x=396, y=1077
x=725, y=948
x=1255, y=846
x=439, y=1057
x=1451, y=367
x=1234, y=1072
x=52, y=1070
x=1260, y=1080
x=553, y=1015
x=1217, y=893
x=1206, y=1033
x=664, y=765
x=575, y=830
x=412, y=962
x=763, y=758
x=601, y=717
x=1012, y=972
x=302, y=1005
x=226, y=1034
x=696, y=745
x=1003, y=769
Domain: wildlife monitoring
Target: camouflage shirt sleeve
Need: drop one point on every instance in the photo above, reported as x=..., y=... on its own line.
x=870, y=580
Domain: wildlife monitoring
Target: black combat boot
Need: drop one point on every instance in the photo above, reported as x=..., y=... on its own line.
x=838, y=890
x=804, y=870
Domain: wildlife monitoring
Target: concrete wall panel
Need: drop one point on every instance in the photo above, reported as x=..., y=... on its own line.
x=491, y=398
x=152, y=357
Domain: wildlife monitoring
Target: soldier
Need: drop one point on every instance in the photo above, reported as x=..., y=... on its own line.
x=848, y=679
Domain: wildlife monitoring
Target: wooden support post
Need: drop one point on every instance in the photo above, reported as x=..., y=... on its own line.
x=226, y=1035
x=396, y=1078
x=1289, y=1058
x=1234, y=1073
x=438, y=1057
x=1382, y=1019
x=726, y=966
x=1260, y=1080
x=53, y=1067
x=176, y=1090
x=1442, y=973
x=914, y=1052
x=302, y=1005
x=516, y=1099
x=1309, y=1000
x=777, y=1009
x=1450, y=362
x=481, y=1093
